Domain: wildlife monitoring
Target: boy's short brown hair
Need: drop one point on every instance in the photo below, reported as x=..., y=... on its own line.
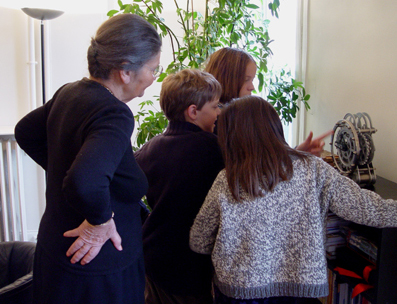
x=185, y=88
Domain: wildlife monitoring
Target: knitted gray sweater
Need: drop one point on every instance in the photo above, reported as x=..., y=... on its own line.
x=274, y=245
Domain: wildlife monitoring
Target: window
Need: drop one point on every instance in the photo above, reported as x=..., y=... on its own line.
x=284, y=32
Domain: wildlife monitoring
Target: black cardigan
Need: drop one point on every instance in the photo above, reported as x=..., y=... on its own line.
x=82, y=138
x=180, y=165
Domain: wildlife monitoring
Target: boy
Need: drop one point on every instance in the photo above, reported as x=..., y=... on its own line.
x=180, y=165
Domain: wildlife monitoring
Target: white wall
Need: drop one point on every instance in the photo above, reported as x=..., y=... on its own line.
x=14, y=68
x=352, y=64
x=14, y=100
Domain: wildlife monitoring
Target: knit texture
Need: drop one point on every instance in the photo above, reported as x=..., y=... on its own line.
x=275, y=245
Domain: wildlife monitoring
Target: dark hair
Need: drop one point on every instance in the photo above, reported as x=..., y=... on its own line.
x=252, y=141
x=228, y=65
x=185, y=88
x=123, y=42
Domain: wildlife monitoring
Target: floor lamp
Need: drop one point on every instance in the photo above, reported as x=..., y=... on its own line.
x=42, y=15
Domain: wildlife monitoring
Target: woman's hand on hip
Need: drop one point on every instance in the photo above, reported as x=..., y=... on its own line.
x=90, y=240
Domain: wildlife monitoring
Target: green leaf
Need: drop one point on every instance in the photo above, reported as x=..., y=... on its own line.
x=112, y=13
x=234, y=37
x=253, y=6
x=161, y=77
x=261, y=81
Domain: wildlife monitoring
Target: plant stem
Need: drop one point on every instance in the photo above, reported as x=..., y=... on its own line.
x=205, y=26
x=192, y=19
x=184, y=27
x=169, y=31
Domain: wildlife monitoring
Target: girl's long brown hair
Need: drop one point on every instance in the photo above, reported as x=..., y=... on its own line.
x=256, y=154
x=228, y=65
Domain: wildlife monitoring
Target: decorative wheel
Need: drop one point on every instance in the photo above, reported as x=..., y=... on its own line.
x=367, y=149
x=346, y=146
x=352, y=148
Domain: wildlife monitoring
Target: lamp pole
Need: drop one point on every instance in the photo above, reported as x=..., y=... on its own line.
x=42, y=14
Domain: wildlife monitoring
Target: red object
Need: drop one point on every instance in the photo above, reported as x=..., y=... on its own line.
x=361, y=287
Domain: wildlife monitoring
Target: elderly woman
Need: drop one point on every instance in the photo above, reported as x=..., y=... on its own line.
x=89, y=247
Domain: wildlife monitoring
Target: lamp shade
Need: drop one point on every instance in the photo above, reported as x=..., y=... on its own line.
x=41, y=13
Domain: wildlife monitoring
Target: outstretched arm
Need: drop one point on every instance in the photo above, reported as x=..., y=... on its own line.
x=314, y=145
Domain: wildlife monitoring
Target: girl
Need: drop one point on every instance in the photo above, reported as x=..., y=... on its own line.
x=235, y=70
x=263, y=221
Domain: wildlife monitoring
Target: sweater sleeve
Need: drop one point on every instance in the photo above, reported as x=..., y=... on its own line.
x=31, y=135
x=86, y=185
x=349, y=201
x=31, y=132
x=205, y=227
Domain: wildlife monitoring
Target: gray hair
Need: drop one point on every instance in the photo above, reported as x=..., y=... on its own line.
x=123, y=42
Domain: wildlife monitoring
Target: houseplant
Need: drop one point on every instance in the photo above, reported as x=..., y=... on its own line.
x=232, y=23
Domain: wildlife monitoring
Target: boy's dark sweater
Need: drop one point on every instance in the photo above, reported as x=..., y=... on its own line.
x=180, y=165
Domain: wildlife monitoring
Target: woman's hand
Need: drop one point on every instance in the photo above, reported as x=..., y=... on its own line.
x=314, y=146
x=90, y=240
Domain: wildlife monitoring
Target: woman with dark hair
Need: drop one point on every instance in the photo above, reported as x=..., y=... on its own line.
x=82, y=138
x=263, y=221
x=235, y=70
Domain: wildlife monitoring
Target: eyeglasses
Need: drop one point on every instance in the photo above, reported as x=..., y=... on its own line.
x=157, y=71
